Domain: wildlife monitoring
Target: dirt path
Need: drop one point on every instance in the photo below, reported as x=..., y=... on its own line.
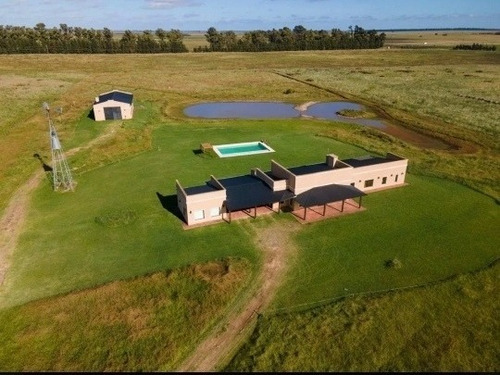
x=12, y=221
x=277, y=249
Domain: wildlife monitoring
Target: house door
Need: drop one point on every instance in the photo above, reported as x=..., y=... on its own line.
x=112, y=113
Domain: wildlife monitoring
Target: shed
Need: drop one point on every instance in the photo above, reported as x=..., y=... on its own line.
x=114, y=105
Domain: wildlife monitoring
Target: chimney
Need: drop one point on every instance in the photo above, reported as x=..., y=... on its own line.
x=331, y=160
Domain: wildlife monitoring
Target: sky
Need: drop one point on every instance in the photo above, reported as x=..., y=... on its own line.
x=237, y=15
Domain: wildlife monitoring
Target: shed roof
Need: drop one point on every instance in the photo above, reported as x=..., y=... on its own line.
x=327, y=194
x=249, y=191
x=116, y=95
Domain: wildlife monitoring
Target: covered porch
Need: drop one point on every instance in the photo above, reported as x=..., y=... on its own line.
x=327, y=201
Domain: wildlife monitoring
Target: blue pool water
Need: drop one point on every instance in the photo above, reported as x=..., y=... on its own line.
x=239, y=149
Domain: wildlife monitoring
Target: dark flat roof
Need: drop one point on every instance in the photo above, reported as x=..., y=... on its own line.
x=327, y=194
x=272, y=176
x=199, y=189
x=312, y=168
x=118, y=96
x=366, y=160
x=353, y=162
x=248, y=191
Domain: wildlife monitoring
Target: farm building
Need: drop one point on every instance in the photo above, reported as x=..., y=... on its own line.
x=304, y=186
x=113, y=105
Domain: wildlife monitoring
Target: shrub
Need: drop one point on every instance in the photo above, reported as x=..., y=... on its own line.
x=475, y=47
x=393, y=263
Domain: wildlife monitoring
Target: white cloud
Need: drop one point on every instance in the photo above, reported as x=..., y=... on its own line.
x=169, y=4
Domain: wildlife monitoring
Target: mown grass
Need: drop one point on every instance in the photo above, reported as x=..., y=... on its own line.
x=430, y=226
x=411, y=330
x=70, y=224
x=145, y=324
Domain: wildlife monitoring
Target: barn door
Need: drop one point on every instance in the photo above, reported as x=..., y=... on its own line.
x=112, y=113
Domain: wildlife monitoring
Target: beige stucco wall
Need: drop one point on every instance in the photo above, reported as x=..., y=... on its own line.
x=333, y=176
x=127, y=110
x=191, y=205
x=281, y=172
x=394, y=173
x=274, y=185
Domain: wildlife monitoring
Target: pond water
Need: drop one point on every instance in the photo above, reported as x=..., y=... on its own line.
x=324, y=110
x=246, y=110
x=329, y=111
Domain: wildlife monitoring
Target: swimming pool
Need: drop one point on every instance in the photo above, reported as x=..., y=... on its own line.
x=240, y=149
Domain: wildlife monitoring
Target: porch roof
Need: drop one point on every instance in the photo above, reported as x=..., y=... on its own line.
x=327, y=194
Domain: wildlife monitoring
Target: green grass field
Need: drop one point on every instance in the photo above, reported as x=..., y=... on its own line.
x=114, y=227
x=145, y=324
x=404, y=331
x=406, y=224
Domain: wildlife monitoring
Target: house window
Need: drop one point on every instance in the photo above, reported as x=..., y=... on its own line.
x=199, y=215
x=353, y=184
x=384, y=180
x=368, y=183
x=215, y=211
x=396, y=178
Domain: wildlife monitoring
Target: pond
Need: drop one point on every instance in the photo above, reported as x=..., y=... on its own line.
x=246, y=110
x=324, y=110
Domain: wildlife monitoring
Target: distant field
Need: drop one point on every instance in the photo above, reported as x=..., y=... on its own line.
x=400, y=39
x=440, y=38
x=443, y=224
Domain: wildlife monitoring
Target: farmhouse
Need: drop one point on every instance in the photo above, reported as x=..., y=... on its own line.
x=304, y=186
x=113, y=105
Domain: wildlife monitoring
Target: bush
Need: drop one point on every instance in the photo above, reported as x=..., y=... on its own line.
x=393, y=263
x=475, y=47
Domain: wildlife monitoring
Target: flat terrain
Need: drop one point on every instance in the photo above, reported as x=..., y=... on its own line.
x=121, y=224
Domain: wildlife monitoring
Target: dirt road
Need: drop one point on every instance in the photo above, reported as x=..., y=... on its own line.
x=12, y=221
x=277, y=249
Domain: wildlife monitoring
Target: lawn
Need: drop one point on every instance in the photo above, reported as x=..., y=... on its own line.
x=430, y=226
x=151, y=238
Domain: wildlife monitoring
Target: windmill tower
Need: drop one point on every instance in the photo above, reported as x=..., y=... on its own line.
x=61, y=174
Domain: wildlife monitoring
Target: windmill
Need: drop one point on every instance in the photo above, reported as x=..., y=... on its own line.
x=61, y=174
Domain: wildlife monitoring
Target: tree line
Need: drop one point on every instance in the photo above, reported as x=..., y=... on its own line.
x=39, y=39
x=297, y=39
x=65, y=39
x=475, y=47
